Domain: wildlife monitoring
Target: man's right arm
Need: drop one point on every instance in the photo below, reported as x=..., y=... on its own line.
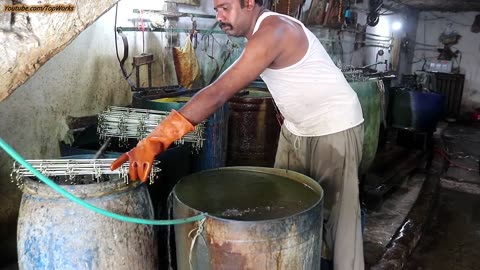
x=261, y=50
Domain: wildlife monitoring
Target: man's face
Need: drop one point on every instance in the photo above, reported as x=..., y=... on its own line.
x=233, y=19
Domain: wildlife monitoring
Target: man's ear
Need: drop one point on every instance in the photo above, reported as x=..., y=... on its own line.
x=249, y=4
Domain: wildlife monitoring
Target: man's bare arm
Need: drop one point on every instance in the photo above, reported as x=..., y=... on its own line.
x=261, y=50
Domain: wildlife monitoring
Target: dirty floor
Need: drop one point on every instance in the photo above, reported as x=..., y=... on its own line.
x=451, y=239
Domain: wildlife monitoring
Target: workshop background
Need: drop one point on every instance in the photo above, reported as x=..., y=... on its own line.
x=60, y=70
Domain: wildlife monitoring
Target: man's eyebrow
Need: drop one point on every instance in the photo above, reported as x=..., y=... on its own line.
x=220, y=5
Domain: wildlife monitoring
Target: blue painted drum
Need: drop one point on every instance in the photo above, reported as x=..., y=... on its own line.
x=55, y=233
x=214, y=151
x=416, y=110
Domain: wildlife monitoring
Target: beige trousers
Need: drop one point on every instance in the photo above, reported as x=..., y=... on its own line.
x=333, y=161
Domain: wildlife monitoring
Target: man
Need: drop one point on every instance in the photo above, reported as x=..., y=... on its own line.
x=322, y=133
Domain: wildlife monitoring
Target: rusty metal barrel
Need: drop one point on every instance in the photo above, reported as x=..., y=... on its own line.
x=253, y=129
x=55, y=233
x=258, y=218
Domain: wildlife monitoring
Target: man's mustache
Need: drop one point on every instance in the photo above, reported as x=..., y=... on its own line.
x=222, y=25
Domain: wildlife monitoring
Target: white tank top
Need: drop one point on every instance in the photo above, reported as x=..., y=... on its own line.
x=313, y=95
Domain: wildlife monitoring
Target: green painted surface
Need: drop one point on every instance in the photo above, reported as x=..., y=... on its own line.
x=369, y=96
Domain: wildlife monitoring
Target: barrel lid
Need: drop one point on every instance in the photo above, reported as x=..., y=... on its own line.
x=254, y=92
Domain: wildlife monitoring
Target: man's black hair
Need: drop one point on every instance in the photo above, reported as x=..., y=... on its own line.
x=258, y=2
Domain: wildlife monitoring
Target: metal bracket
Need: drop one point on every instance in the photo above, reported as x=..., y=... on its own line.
x=143, y=59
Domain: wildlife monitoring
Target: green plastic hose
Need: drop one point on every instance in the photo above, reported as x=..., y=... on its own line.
x=85, y=204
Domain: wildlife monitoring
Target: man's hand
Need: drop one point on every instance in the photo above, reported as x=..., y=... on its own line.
x=141, y=157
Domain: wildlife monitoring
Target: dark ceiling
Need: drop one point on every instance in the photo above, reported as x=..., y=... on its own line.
x=440, y=5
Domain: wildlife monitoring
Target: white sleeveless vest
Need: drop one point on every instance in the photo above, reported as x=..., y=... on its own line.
x=313, y=95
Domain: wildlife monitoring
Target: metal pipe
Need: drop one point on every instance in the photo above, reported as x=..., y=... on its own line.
x=102, y=148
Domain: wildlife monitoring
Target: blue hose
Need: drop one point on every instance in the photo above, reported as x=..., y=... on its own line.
x=85, y=204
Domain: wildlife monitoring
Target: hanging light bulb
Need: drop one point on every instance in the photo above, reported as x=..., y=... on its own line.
x=396, y=26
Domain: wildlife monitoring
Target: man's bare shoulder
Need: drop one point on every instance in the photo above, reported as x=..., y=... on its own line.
x=275, y=21
x=284, y=36
x=280, y=24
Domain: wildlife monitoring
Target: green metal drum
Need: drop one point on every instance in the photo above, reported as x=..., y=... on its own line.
x=370, y=98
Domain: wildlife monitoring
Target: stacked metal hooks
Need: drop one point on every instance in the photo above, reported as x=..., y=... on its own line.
x=125, y=123
x=74, y=171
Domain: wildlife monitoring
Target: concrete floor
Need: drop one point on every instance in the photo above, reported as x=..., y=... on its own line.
x=452, y=239
x=451, y=236
x=462, y=146
x=382, y=224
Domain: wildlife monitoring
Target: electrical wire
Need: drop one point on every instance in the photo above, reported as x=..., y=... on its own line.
x=367, y=34
x=396, y=6
x=422, y=59
x=402, y=3
x=387, y=14
x=461, y=155
x=424, y=44
x=451, y=163
x=424, y=40
x=127, y=76
x=426, y=49
x=115, y=31
x=378, y=39
x=443, y=18
x=10, y=151
x=340, y=45
x=142, y=27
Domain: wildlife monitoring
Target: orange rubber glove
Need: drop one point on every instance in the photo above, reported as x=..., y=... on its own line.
x=172, y=128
